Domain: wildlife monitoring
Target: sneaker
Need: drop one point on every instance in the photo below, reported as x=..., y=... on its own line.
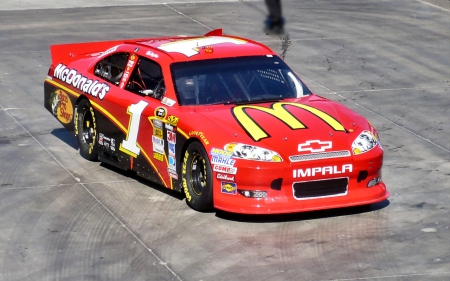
x=271, y=28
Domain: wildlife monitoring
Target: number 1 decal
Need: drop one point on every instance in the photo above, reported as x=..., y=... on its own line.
x=129, y=145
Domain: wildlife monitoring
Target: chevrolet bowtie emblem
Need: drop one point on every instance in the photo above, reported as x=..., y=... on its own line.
x=315, y=146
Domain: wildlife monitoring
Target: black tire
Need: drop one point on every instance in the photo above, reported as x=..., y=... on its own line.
x=86, y=130
x=197, y=178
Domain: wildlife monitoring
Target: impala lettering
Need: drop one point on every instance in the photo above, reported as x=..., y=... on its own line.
x=279, y=111
x=322, y=171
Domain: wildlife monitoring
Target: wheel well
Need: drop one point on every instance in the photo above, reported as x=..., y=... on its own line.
x=80, y=98
x=185, y=146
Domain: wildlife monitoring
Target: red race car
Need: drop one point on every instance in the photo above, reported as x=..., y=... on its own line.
x=221, y=118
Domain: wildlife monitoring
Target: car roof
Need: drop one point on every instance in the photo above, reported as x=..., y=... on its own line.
x=182, y=48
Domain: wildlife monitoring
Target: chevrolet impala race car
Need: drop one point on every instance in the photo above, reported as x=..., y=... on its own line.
x=220, y=118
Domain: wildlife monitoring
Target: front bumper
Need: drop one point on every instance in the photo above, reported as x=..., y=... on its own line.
x=278, y=180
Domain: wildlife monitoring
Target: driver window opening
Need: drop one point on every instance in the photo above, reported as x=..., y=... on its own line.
x=111, y=68
x=147, y=79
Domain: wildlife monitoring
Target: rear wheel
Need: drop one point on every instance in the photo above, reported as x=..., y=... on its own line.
x=197, y=177
x=86, y=130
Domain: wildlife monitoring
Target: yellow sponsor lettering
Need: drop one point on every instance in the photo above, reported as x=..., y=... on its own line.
x=173, y=120
x=94, y=130
x=158, y=156
x=279, y=111
x=158, y=132
x=186, y=190
x=76, y=123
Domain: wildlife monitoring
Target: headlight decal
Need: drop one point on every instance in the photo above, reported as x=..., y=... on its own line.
x=251, y=152
x=366, y=141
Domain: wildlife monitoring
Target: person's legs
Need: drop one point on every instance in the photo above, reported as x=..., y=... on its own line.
x=275, y=22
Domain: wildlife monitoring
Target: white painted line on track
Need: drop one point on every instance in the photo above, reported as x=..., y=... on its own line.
x=433, y=5
x=96, y=199
x=393, y=89
x=391, y=276
x=19, y=108
x=187, y=16
x=25, y=52
x=67, y=184
x=376, y=114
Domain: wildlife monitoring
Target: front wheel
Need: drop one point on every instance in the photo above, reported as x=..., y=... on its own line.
x=86, y=130
x=197, y=178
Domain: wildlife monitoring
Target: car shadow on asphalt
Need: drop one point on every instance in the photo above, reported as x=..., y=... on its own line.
x=65, y=136
x=303, y=216
x=150, y=184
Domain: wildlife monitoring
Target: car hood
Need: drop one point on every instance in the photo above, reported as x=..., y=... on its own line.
x=306, y=125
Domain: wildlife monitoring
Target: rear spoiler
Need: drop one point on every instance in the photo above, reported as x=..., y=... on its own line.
x=61, y=51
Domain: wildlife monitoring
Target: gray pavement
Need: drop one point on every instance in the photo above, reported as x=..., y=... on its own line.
x=64, y=218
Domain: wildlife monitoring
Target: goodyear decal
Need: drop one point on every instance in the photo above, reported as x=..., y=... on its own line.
x=279, y=111
x=199, y=135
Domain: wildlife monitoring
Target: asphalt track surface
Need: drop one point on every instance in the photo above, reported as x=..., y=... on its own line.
x=64, y=218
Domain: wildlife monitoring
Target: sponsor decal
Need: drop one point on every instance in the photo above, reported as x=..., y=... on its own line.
x=208, y=49
x=113, y=144
x=279, y=111
x=200, y=135
x=110, y=50
x=108, y=143
x=100, y=138
x=315, y=146
x=92, y=87
x=158, y=133
x=225, y=177
x=61, y=105
x=190, y=47
x=130, y=64
x=225, y=169
x=158, y=156
x=225, y=161
x=168, y=127
x=152, y=55
x=171, y=137
x=161, y=112
x=172, y=173
x=173, y=120
x=172, y=167
x=158, y=145
x=157, y=124
x=322, y=171
x=229, y=188
x=167, y=101
x=221, y=152
x=172, y=161
x=171, y=148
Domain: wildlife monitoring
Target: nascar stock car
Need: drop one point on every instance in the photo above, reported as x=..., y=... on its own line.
x=221, y=118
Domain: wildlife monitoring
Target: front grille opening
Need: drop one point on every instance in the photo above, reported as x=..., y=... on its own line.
x=321, y=188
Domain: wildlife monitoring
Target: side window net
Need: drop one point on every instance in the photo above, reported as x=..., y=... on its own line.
x=111, y=68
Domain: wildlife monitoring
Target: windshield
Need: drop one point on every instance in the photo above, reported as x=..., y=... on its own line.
x=235, y=80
